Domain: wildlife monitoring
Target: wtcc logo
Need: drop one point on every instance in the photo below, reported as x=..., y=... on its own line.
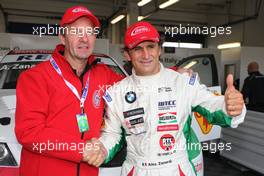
x=166, y=105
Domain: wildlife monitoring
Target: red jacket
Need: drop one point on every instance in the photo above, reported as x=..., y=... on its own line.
x=46, y=117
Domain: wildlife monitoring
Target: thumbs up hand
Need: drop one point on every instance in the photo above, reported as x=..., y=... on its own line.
x=233, y=98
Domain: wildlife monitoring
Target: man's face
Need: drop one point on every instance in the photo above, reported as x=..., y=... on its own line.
x=145, y=58
x=79, y=44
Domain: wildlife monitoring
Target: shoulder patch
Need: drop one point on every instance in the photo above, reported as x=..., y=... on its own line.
x=192, y=79
x=107, y=97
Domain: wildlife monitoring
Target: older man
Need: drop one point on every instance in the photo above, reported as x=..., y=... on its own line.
x=59, y=105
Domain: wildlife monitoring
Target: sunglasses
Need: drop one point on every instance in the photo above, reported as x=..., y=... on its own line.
x=5, y=120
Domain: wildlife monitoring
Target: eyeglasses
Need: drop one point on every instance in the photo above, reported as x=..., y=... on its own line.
x=5, y=120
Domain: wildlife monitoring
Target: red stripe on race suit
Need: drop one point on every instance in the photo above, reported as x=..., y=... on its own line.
x=131, y=172
x=181, y=173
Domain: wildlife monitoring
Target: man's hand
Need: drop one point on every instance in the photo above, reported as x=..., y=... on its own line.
x=94, y=152
x=233, y=98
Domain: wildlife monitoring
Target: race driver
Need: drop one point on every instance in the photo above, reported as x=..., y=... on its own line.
x=153, y=104
x=194, y=153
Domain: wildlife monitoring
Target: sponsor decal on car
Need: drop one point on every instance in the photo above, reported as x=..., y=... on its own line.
x=16, y=66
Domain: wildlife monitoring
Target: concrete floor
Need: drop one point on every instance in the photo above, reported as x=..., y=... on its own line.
x=215, y=165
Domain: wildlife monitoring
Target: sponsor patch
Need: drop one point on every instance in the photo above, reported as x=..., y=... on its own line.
x=168, y=117
x=107, y=97
x=166, y=105
x=168, y=128
x=136, y=126
x=130, y=97
x=80, y=9
x=133, y=112
x=96, y=99
x=204, y=125
x=136, y=121
x=198, y=167
x=192, y=79
x=139, y=30
x=167, y=142
x=164, y=89
x=166, y=153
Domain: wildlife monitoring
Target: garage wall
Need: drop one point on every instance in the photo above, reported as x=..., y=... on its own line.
x=230, y=57
x=49, y=11
x=115, y=51
x=2, y=21
x=248, y=32
x=25, y=42
x=249, y=54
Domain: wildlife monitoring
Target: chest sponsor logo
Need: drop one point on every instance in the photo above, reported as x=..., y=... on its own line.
x=166, y=105
x=174, y=127
x=167, y=142
x=164, y=89
x=169, y=117
x=136, y=121
x=133, y=112
x=130, y=97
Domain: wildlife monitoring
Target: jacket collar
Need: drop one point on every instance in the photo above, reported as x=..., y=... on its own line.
x=58, y=56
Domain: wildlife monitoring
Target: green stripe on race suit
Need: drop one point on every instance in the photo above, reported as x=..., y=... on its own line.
x=216, y=118
x=191, y=138
x=113, y=151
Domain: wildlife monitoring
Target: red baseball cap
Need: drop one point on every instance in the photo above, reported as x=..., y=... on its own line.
x=73, y=13
x=139, y=32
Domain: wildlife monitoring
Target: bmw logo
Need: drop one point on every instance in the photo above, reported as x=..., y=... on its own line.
x=130, y=97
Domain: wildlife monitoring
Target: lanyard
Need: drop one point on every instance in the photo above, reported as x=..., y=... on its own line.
x=70, y=86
